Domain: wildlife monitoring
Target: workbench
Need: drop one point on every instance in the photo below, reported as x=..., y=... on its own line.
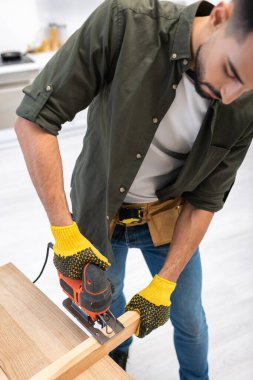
x=39, y=341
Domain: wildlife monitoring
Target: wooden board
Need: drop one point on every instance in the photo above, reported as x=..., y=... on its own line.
x=105, y=368
x=70, y=365
x=34, y=332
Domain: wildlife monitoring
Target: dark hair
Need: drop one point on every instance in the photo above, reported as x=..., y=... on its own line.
x=241, y=22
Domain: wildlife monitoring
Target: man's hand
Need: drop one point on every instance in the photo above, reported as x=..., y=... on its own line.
x=153, y=304
x=72, y=251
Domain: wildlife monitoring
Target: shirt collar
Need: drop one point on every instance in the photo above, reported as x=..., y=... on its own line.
x=181, y=47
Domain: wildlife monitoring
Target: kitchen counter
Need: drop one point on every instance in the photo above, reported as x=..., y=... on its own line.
x=13, y=78
x=40, y=60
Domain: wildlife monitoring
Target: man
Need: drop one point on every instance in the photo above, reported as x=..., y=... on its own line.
x=169, y=123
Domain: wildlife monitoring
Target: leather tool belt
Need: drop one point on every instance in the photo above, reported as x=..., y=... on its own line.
x=161, y=218
x=131, y=216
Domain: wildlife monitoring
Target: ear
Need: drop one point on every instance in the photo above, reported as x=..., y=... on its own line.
x=220, y=15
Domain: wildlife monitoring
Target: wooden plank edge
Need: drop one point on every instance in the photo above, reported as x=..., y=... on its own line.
x=77, y=360
x=104, y=369
x=3, y=375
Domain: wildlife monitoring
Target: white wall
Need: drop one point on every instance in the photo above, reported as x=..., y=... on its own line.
x=24, y=22
x=69, y=12
x=18, y=23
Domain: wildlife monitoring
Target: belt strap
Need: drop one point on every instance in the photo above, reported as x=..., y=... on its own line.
x=130, y=215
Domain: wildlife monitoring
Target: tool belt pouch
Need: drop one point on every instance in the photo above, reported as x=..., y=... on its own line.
x=161, y=219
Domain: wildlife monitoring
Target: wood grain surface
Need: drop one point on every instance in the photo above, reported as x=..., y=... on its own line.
x=34, y=332
x=87, y=353
x=106, y=368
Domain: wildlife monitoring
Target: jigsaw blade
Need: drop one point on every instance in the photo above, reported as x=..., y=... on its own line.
x=105, y=320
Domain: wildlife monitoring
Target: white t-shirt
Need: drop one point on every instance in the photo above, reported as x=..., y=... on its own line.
x=171, y=144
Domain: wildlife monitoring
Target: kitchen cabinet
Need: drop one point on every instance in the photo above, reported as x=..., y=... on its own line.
x=13, y=78
x=11, y=85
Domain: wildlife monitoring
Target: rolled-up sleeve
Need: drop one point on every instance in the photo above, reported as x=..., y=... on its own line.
x=76, y=73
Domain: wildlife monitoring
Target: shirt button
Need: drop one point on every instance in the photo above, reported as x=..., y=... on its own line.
x=48, y=88
x=174, y=86
x=107, y=217
x=122, y=189
x=174, y=56
x=185, y=62
x=138, y=156
x=155, y=120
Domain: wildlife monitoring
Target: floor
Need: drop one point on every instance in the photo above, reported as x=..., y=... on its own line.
x=226, y=256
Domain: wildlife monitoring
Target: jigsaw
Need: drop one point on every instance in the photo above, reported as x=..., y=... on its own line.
x=89, y=301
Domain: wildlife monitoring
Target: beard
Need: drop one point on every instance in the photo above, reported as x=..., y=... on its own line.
x=199, y=75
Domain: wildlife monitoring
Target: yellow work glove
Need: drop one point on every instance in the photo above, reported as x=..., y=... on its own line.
x=73, y=251
x=153, y=304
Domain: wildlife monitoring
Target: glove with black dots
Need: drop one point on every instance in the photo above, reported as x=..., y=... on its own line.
x=73, y=251
x=153, y=304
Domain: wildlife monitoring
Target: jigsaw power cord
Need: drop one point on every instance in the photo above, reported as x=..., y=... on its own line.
x=50, y=245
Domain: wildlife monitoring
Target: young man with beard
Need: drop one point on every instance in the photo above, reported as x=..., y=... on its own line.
x=169, y=124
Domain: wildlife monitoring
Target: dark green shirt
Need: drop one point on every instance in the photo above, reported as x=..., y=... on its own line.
x=125, y=62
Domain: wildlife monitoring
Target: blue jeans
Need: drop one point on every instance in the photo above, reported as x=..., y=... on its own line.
x=186, y=313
